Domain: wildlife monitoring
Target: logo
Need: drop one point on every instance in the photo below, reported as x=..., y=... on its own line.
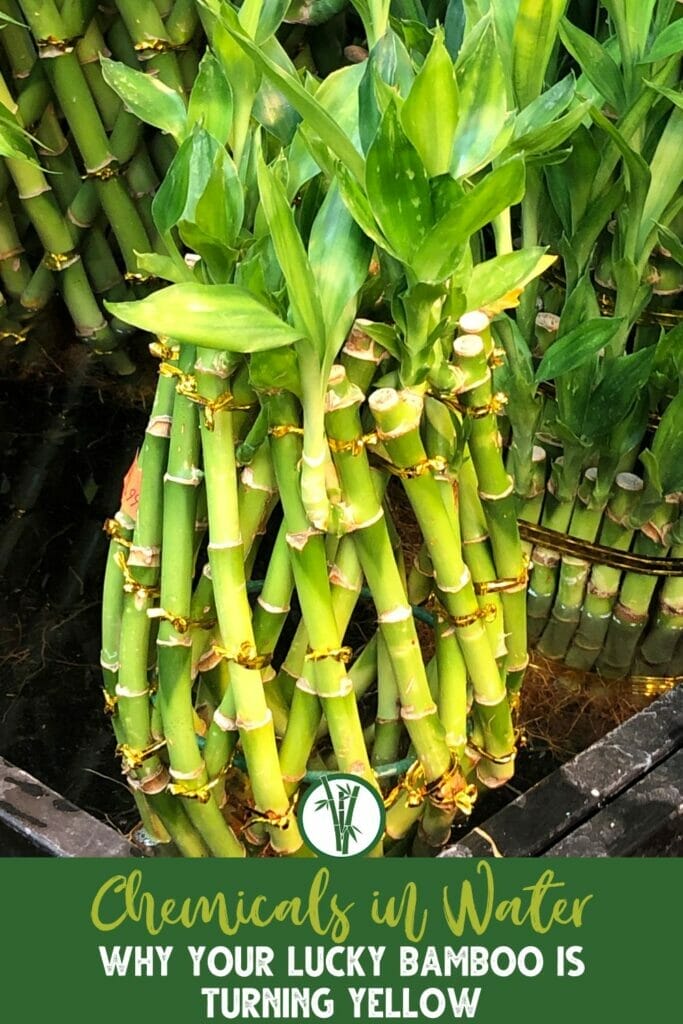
x=341, y=816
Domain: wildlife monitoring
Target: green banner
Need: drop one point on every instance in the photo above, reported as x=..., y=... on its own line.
x=405, y=940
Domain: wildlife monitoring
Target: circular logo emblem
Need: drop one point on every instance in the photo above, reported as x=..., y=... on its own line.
x=341, y=816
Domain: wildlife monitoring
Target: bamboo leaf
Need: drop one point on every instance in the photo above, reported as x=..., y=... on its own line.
x=667, y=43
x=163, y=267
x=672, y=243
x=496, y=192
x=549, y=137
x=397, y=187
x=576, y=347
x=667, y=447
x=430, y=113
x=289, y=248
x=338, y=95
x=666, y=173
x=615, y=395
x=313, y=112
x=210, y=103
x=532, y=45
x=503, y=279
x=358, y=206
x=339, y=254
x=216, y=316
x=15, y=142
x=550, y=105
x=674, y=95
x=483, y=106
x=147, y=97
x=597, y=65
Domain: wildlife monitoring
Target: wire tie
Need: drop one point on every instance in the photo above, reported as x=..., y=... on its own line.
x=283, y=429
x=246, y=655
x=130, y=584
x=133, y=758
x=341, y=654
x=59, y=261
x=355, y=446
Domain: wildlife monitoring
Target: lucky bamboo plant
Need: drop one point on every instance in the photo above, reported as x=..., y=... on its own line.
x=325, y=340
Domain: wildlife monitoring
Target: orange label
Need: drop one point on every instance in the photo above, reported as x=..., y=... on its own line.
x=132, y=483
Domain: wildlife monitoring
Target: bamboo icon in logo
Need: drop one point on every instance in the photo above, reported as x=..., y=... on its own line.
x=341, y=811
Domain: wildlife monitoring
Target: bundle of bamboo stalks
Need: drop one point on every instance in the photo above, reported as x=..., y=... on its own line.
x=79, y=169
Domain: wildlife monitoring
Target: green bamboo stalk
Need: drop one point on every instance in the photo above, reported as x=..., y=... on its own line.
x=496, y=491
x=545, y=562
x=174, y=645
x=659, y=646
x=631, y=612
x=388, y=724
x=309, y=564
x=573, y=576
x=226, y=557
x=397, y=415
x=616, y=532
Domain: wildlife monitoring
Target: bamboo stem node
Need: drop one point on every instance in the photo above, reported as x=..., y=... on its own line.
x=246, y=655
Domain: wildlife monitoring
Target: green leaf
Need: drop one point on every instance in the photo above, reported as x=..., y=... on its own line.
x=270, y=16
x=666, y=173
x=217, y=316
x=430, y=113
x=15, y=142
x=674, y=95
x=339, y=254
x=615, y=395
x=210, y=103
x=397, y=186
x=313, y=112
x=289, y=248
x=483, y=106
x=338, y=95
x=358, y=206
x=667, y=43
x=532, y=45
x=493, y=279
x=596, y=63
x=163, y=267
x=667, y=447
x=670, y=241
x=541, y=140
x=546, y=108
x=576, y=347
x=496, y=192
x=385, y=335
x=147, y=97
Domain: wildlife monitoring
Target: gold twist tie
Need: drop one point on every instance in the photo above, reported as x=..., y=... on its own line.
x=180, y=623
x=341, y=654
x=188, y=388
x=114, y=532
x=501, y=759
x=653, y=686
x=496, y=407
x=163, y=350
x=283, y=429
x=273, y=819
x=183, y=788
x=110, y=703
x=53, y=43
x=506, y=583
x=130, y=584
x=355, y=446
x=413, y=784
x=16, y=336
x=438, y=464
x=488, y=613
x=246, y=655
x=598, y=554
x=138, y=277
x=59, y=261
x=441, y=792
x=112, y=170
x=136, y=758
x=159, y=46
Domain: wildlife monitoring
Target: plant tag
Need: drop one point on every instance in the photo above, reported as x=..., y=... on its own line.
x=132, y=484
